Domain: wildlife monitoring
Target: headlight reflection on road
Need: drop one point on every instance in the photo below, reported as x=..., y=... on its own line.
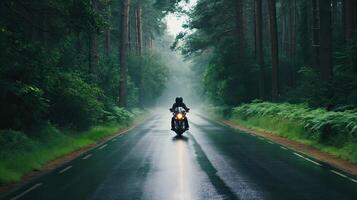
x=181, y=166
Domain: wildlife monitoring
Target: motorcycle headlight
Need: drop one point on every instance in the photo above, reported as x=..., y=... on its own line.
x=179, y=116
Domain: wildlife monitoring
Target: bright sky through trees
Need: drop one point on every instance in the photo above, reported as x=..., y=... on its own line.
x=174, y=21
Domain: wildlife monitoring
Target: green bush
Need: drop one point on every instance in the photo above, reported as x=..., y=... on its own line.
x=117, y=114
x=75, y=103
x=331, y=131
x=20, y=154
x=148, y=76
x=329, y=127
x=22, y=105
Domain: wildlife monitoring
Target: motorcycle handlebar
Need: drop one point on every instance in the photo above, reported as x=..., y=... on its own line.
x=188, y=109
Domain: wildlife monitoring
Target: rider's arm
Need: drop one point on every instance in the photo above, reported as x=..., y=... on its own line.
x=185, y=107
x=173, y=106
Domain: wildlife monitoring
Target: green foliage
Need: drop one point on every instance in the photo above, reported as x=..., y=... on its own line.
x=149, y=75
x=21, y=105
x=327, y=127
x=45, y=73
x=56, y=71
x=345, y=75
x=74, y=103
x=309, y=89
x=227, y=84
x=20, y=154
x=117, y=114
x=232, y=72
x=331, y=132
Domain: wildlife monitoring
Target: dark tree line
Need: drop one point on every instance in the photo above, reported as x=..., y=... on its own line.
x=72, y=63
x=293, y=50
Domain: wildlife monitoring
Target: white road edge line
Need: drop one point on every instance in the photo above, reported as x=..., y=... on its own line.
x=353, y=180
x=270, y=142
x=65, y=169
x=260, y=138
x=308, y=159
x=26, y=191
x=344, y=176
x=283, y=147
x=102, y=147
x=338, y=173
x=87, y=156
x=114, y=139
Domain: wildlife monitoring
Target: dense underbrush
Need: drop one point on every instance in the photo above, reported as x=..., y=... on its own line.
x=334, y=132
x=22, y=153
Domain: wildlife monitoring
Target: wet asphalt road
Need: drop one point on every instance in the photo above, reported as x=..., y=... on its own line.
x=211, y=161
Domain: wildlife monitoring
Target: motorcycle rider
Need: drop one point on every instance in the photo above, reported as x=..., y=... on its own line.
x=179, y=103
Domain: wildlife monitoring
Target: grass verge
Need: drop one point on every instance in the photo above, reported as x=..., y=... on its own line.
x=21, y=154
x=331, y=132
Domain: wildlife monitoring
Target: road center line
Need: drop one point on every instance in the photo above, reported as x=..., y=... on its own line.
x=65, y=169
x=26, y=191
x=283, y=147
x=87, y=156
x=308, y=159
x=338, y=173
x=102, y=147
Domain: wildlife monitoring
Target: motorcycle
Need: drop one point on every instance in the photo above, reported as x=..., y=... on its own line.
x=179, y=120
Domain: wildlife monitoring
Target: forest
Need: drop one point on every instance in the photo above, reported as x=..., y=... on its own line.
x=65, y=61
x=299, y=51
x=288, y=67
x=72, y=71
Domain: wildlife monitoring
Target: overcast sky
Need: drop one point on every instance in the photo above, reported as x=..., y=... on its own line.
x=174, y=22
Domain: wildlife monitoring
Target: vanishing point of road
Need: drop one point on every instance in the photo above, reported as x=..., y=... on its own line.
x=211, y=161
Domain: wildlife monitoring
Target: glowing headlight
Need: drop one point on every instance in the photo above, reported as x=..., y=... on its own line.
x=179, y=116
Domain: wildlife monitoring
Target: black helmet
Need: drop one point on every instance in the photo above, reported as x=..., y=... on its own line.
x=179, y=99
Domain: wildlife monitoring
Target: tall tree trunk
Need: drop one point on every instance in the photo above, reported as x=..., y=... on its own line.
x=108, y=35
x=107, y=42
x=123, y=53
x=354, y=14
x=290, y=28
x=316, y=30
x=259, y=46
x=139, y=27
x=292, y=31
x=78, y=42
x=293, y=42
x=255, y=29
x=348, y=20
x=274, y=49
x=136, y=31
x=93, y=46
x=130, y=37
x=325, y=40
x=139, y=37
x=334, y=12
x=239, y=24
x=44, y=32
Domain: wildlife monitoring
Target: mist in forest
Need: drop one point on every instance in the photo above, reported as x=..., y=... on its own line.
x=181, y=79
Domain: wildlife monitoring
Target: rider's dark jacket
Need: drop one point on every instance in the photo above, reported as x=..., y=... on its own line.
x=179, y=104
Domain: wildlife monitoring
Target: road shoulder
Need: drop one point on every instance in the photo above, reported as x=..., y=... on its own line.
x=301, y=148
x=54, y=164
